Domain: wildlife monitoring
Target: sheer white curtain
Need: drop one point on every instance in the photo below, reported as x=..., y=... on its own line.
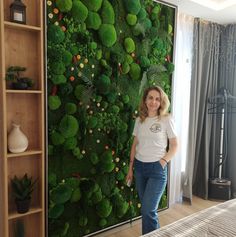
x=180, y=100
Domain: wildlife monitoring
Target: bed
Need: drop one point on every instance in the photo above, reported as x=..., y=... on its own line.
x=217, y=221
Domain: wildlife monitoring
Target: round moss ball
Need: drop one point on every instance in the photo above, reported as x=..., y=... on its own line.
x=79, y=91
x=145, y=62
x=131, y=19
x=79, y=11
x=98, y=54
x=93, y=45
x=102, y=222
x=55, y=34
x=133, y=6
x=129, y=45
x=94, y=158
x=142, y=14
x=57, y=138
x=93, y=21
x=125, y=67
x=92, y=122
x=104, y=208
x=70, y=143
x=58, y=68
x=107, y=34
x=64, y=5
x=66, y=57
x=58, y=79
x=135, y=71
x=125, y=99
x=93, y=5
x=54, y=102
x=128, y=58
x=70, y=108
x=107, y=14
x=69, y=126
x=103, y=84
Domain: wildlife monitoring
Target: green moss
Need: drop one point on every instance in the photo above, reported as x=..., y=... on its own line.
x=104, y=208
x=103, y=84
x=131, y=19
x=107, y=13
x=61, y=194
x=146, y=22
x=94, y=158
x=58, y=68
x=135, y=71
x=57, y=138
x=54, y=102
x=69, y=126
x=142, y=14
x=125, y=67
x=128, y=59
x=120, y=175
x=55, y=34
x=79, y=91
x=83, y=220
x=64, y=5
x=144, y=62
x=93, y=5
x=111, y=97
x=102, y=222
x=129, y=45
x=70, y=108
x=70, y=143
x=114, y=109
x=98, y=54
x=125, y=99
x=96, y=196
x=67, y=57
x=122, y=209
x=132, y=6
x=93, y=45
x=107, y=34
x=92, y=122
x=55, y=211
x=79, y=11
x=76, y=195
x=93, y=21
x=58, y=79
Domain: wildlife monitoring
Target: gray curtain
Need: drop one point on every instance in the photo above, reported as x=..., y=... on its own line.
x=206, y=41
x=227, y=79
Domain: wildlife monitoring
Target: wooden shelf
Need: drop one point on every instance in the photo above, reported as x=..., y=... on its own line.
x=24, y=91
x=18, y=26
x=26, y=153
x=23, y=45
x=30, y=212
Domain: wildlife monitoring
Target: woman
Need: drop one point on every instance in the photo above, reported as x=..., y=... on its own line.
x=153, y=130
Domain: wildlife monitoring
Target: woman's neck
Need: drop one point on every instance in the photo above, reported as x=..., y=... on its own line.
x=152, y=115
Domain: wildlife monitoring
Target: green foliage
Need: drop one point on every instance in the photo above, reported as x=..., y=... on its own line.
x=93, y=21
x=55, y=34
x=54, y=102
x=135, y=71
x=93, y=5
x=69, y=126
x=129, y=45
x=61, y=194
x=70, y=108
x=79, y=11
x=107, y=14
x=64, y=5
x=107, y=34
x=131, y=19
x=23, y=187
x=133, y=6
x=104, y=208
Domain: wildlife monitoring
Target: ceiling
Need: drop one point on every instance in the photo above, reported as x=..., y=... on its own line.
x=195, y=8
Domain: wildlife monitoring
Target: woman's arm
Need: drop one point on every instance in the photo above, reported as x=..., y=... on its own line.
x=173, y=144
x=131, y=162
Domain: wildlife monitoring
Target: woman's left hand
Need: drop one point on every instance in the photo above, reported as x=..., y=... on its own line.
x=163, y=163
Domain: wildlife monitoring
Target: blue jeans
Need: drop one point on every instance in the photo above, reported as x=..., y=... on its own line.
x=151, y=181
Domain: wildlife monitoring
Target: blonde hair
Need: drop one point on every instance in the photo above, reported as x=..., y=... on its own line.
x=164, y=106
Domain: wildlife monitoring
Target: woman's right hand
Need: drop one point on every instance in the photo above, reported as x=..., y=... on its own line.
x=129, y=176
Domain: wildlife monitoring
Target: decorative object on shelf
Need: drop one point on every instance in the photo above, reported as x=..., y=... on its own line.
x=19, y=230
x=22, y=189
x=17, y=140
x=18, y=12
x=18, y=82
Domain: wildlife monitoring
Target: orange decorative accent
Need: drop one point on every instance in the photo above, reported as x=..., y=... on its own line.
x=63, y=28
x=55, y=10
x=78, y=57
x=72, y=78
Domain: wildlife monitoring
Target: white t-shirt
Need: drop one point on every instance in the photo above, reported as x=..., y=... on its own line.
x=152, y=136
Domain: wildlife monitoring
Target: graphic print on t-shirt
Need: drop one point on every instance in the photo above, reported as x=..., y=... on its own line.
x=156, y=127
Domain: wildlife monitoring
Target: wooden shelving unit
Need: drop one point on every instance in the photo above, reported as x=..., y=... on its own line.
x=23, y=45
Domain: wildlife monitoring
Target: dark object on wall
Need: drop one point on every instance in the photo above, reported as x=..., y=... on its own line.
x=219, y=189
x=18, y=12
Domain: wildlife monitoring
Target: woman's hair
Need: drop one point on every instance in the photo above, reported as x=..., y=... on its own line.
x=163, y=109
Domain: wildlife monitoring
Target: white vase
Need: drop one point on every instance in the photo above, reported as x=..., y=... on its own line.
x=17, y=141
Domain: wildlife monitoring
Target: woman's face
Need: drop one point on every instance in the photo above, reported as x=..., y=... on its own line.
x=153, y=101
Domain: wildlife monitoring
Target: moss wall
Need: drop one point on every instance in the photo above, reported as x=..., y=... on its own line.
x=101, y=55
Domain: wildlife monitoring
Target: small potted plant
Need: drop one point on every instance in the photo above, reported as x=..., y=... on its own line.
x=18, y=82
x=22, y=189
